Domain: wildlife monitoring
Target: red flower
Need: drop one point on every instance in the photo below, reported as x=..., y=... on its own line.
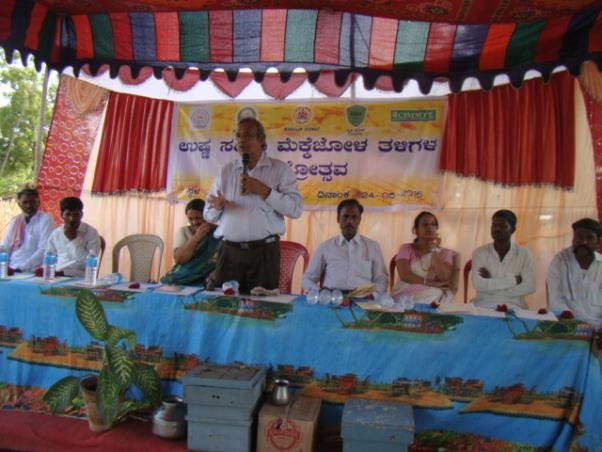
x=434, y=305
x=542, y=311
x=10, y=271
x=38, y=272
x=501, y=308
x=134, y=285
x=229, y=291
x=566, y=314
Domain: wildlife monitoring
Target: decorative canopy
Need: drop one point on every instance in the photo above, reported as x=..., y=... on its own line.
x=421, y=40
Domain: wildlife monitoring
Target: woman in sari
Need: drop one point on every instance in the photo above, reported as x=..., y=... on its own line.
x=194, y=249
x=427, y=272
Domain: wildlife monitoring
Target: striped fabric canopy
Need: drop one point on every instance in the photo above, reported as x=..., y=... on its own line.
x=315, y=40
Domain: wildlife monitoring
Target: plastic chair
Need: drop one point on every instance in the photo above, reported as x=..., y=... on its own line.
x=467, y=268
x=392, y=272
x=289, y=254
x=103, y=247
x=142, y=248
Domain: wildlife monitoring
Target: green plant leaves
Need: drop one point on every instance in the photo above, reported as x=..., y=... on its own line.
x=61, y=394
x=118, y=372
x=115, y=334
x=108, y=398
x=121, y=365
x=146, y=378
x=91, y=314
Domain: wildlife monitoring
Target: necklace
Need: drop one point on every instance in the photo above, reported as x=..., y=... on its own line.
x=429, y=266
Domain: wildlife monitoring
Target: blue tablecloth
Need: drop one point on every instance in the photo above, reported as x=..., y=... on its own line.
x=472, y=380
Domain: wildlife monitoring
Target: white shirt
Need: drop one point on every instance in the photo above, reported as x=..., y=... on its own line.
x=29, y=255
x=572, y=288
x=71, y=254
x=501, y=288
x=347, y=265
x=254, y=218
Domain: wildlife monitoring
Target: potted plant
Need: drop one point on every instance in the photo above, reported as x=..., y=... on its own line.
x=104, y=394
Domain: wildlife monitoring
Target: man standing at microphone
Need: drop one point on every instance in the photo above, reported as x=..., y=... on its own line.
x=249, y=199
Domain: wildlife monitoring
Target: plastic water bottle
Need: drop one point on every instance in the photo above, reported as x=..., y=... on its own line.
x=3, y=264
x=91, y=269
x=49, y=266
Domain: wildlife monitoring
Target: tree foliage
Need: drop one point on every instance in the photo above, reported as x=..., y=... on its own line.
x=20, y=100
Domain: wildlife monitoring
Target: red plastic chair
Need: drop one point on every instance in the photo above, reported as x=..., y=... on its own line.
x=103, y=246
x=392, y=273
x=289, y=254
x=467, y=268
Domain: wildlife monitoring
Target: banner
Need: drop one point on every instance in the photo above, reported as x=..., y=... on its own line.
x=386, y=154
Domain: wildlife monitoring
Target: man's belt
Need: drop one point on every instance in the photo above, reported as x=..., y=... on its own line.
x=252, y=243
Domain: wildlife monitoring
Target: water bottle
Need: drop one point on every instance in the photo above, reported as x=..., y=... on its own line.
x=3, y=264
x=110, y=279
x=91, y=268
x=49, y=266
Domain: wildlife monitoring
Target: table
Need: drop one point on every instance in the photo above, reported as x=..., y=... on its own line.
x=473, y=381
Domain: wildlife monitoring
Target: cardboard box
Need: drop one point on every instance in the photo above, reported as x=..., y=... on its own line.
x=218, y=435
x=288, y=428
x=376, y=425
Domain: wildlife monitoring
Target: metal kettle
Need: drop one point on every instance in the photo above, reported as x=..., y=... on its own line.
x=169, y=421
x=280, y=392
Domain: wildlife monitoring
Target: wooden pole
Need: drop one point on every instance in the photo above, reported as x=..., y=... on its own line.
x=37, y=152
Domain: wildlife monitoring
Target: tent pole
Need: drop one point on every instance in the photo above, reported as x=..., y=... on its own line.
x=37, y=154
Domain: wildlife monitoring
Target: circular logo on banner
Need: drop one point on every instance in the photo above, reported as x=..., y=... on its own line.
x=199, y=118
x=283, y=434
x=302, y=115
x=246, y=112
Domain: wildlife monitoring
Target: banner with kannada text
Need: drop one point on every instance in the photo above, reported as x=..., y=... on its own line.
x=386, y=154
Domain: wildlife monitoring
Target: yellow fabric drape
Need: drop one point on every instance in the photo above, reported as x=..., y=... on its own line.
x=591, y=80
x=83, y=96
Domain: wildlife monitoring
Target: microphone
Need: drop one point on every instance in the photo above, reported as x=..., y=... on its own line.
x=245, y=170
x=245, y=163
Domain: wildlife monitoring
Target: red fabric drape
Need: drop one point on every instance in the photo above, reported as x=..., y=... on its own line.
x=70, y=140
x=594, y=118
x=134, y=147
x=513, y=136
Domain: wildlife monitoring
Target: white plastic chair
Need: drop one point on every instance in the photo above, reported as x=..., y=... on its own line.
x=142, y=249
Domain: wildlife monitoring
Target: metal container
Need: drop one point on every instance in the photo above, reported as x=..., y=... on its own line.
x=280, y=394
x=169, y=421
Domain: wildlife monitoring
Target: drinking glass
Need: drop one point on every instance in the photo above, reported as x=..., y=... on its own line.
x=313, y=295
x=325, y=296
x=336, y=297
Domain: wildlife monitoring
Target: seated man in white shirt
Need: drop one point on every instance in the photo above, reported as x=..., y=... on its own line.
x=502, y=271
x=349, y=260
x=73, y=241
x=574, y=279
x=26, y=234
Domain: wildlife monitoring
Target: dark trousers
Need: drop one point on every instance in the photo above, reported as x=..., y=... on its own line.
x=259, y=266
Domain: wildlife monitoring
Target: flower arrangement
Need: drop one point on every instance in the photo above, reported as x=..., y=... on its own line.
x=542, y=311
x=566, y=315
x=501, y=308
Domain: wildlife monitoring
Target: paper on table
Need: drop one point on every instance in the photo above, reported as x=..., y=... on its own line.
x=178, y=290
x=487, y=312
x=374, y=306
x=281, y=298
x=17, y=276
x=457, y=308
x=533, y=315
x=41, y=280
x=126, y=287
